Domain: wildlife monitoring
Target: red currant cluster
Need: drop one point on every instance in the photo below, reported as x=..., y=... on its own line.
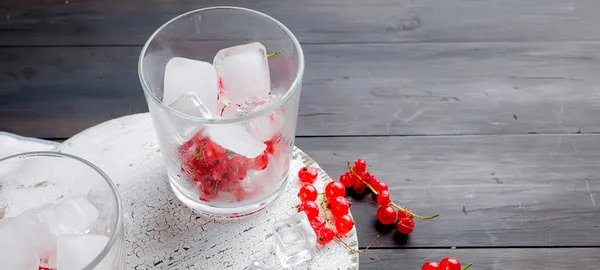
x=333, y=199
x=448, y=263
x=216, y=169
x=359, y=179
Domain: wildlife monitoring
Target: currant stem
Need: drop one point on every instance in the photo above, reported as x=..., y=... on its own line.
x=324, y=206
x=273, y=54
x=357, y=250
x=398, y=207
x=467, y=267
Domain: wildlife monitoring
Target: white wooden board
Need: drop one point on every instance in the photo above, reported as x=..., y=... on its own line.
x=162, y=233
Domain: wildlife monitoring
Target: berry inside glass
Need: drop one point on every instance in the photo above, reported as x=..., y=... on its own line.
x=223, y=89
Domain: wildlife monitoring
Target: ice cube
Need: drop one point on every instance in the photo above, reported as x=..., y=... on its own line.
x=295, y=240
x=183, y=76
x=244, y=73
x=16, y=251
x=191, y=104
x=76, y=251
x=34, y=224
x=235, y=138
x=263, y=128
x=104, y=201
x=73, y=215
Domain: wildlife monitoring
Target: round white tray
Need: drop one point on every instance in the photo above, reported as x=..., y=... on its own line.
x=161, y=233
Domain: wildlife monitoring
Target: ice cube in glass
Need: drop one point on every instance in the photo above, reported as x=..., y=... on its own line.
x=76, y=251
x=294, y=240
x=73, y=215
x=243, y=72
x=183, y=76
x=16, y=250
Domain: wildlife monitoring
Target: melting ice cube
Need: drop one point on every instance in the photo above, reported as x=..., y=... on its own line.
x=244, y=73
x=72, y=216
x=16, y=251
x=235, y=138
x=76, y=251
x=183, y=76
x=34, y=224
x=192, y=105
x=295, y=240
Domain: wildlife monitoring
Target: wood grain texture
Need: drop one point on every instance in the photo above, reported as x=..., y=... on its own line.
x=367, y=89
x=114, y=22
x=487, y=259
x=491, y=191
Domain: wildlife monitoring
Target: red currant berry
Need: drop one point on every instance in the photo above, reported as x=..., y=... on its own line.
x=450, y=263
x=359, y=187
x=347, y=180
x=386, y=215
x=308, y=174
x=430, y=266
x=221, y=172
x=343, y=225
x=402, y=214
x=334, y=189
x=240, y=194
x=272, y=143
x=383, y=199
x=360, y=166
x=369, y=179
x=237, y=168
x=310, y=208
x=405, y=226
x=307, y=192
x=213, y=153
x=380, y=186
x=339, y=206
x=261, y=162
x=317, y=223
x=325, y=235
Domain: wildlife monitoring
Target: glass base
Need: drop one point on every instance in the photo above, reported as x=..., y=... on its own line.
x=227, y=212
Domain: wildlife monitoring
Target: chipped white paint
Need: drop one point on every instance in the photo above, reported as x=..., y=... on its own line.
x=161, y=233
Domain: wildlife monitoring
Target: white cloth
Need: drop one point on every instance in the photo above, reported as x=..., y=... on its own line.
x=11, y=144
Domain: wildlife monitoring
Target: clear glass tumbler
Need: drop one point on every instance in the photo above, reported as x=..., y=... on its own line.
x=207, y=157
x=58, y=211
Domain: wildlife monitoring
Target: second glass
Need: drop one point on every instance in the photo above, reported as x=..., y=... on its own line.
x=230, y=158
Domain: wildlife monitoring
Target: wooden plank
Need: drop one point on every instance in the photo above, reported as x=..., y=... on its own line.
x=114, y=22
x=486, y=259
x=369, y=89
x=491, y=191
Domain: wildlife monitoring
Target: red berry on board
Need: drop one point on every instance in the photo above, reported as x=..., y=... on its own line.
x=402, y=215
x=343, y=225
x=383, y=199
x=325, y=235
x=317, y=223
x=406, y=226
x=386, y=215
x=307, y=192
x=380, y=186
x=334, y=189
x=360, y=166
x=310, y=208
x=359, y=187
x=430, y=266
x=347, y=180
x=213, y=153
x=308, y=174
x=261, y=162
x=450, y=263
x=339, y=206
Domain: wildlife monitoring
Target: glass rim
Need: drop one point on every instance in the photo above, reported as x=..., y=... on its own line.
x=265, y=110
x=119, y=226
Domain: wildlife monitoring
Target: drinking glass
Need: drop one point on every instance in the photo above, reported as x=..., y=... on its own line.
x=201, y=176
x=51, y=199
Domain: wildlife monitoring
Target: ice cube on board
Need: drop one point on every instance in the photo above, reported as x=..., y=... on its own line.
x=76, y=251
x=16, y=250
x=244, y=73
x=294, y=239
x=183, y=76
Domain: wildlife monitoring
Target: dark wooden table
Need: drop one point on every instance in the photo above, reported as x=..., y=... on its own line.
x=486, y=112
